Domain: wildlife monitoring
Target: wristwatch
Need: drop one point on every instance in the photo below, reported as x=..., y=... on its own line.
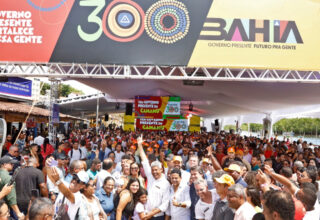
x=58, y=182
x=179, y=204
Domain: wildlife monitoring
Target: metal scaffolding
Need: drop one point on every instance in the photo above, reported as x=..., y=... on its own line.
x=74, y=71
x=54, y=94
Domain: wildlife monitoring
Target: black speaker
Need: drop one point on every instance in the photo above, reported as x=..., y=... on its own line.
x=129, y=107
x=106, y=117
x=216, y=122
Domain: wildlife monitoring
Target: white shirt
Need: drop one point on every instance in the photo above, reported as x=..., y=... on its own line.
x=181, y=195
x=75, y=155
x=204, y=210
x=139, y=209
x=89, y=208
x=51, y=186
x=247, y=157
x=72, y=207
x=118, y=167
x=312, y=215
x=158, y=190
x=39, y=140
x=118, y=156
x=245, y=212
x=100, y=178
x=83, y=152
x=185, y=177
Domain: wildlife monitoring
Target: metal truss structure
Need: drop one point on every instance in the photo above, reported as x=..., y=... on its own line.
x=54, y=91
x=80, y=98
x=74, y=71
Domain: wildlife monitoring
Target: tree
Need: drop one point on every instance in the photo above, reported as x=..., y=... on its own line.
x=300, y=126
x=229, y=127
x=45, y=86
x=64, y=90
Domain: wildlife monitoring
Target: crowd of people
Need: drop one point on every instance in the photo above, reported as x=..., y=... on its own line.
x=119, y=175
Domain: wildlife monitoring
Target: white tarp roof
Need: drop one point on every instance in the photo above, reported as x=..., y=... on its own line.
x=216, y=99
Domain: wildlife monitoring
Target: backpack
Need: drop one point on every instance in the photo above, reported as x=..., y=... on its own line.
x=62, y=213
x=79, y=151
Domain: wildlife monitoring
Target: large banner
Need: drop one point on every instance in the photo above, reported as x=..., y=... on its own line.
x=279, y=34
x=128, y=122
x=194, y=125
x=16, y=86
x=155, y=124
x=157, y=107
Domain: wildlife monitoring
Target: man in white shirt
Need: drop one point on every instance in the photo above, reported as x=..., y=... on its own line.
x=179, y=198
x=118, y=153
x=177, y=163
x=107, y=167
x=237, y=200
x=158, y=185
x=69, y=196
x=83, y=149
x=61, y=158
x=308, y=197
x=246, y=154
x=75, y=153
x=205, y=205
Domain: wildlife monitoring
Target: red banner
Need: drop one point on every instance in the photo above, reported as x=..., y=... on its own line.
x=148, y=106
x=150, y=124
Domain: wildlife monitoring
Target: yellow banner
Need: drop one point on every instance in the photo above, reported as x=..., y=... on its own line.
x=194, y=124
x=128, y=122
x=265, y=34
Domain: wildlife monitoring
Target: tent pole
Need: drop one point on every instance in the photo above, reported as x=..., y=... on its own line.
x=97, y=115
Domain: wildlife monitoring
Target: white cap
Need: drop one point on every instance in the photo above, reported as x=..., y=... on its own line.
x=83, y=176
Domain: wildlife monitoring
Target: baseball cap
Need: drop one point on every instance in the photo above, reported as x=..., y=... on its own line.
x=231, y=150
x=61, y=156
x=233, y=167
x=225, y=179
x=205, y=160
x=177, y=158
x=239, y=152
x=83, y=176
x=8, y=159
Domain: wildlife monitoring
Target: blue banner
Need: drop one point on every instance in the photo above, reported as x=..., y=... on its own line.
x=17, y=86
x=55, y=113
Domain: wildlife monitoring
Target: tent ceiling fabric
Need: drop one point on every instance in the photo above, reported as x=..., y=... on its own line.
x=89, y=107
x=219, y=98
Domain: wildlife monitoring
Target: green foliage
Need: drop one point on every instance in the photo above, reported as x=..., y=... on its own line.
x=254, y=127
x=228, y=127
x=45, y=86
x=300, y=126
x=64, y=90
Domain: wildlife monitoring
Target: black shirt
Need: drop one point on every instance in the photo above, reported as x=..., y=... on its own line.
x=27, y=179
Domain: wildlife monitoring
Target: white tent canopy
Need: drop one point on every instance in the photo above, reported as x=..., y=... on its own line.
x=216, y=99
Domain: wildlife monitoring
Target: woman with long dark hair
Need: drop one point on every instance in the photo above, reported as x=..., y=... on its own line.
x=46, y=148
x=125, y=201
x=135, y=173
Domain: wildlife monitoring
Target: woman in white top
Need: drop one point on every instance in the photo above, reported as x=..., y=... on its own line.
x=90, y=208
x=179, y=199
